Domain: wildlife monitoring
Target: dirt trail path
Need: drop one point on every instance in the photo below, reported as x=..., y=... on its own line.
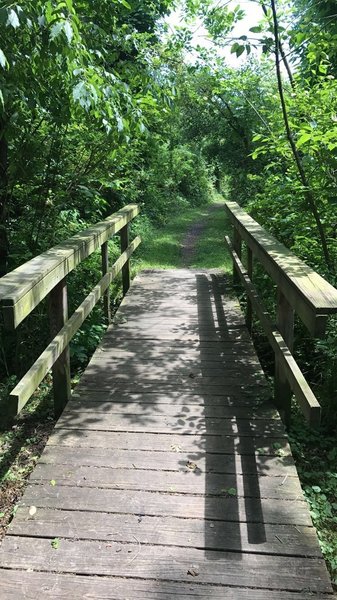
x=188, y=245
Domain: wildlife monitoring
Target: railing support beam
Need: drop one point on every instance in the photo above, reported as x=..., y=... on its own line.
x=58, y=315
x=105, y=269
x=124, y=235
x=237, y=245
x=285, y=325
x=249, y=314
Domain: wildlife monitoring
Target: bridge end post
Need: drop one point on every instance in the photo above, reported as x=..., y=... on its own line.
x=282, y=390
x=124, y=235
x=58, y=316
x=105, y=269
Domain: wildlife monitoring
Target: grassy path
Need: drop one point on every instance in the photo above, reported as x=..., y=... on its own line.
x=193, y=238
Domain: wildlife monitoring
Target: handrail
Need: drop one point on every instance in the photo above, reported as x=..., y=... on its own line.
x=22, y=290
x=299, y=289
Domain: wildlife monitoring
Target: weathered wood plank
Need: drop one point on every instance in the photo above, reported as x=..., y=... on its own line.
x=155, y=442
x=180, y=363
x=189, y=425
x=192, y=347
x=167, y=460
x=171, y=389
x=20, y=584
x=131, y=560
x=253, y=510
x=175, y=330
x=172, y=398
x=168, y=531
x=79, y=405
x=186, y=481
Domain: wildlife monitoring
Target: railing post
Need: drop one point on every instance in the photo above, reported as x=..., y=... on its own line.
x=237, y=245
x=58, y=315
x=124, y=234
x=249, y=314
x=285, y=325
x=105, y=269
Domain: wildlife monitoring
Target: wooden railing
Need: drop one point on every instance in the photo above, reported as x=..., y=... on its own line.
x=299, y=289
x=46, y=275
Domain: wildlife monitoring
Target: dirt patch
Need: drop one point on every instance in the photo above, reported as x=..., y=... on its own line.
x=20, y=449
x=188, y=245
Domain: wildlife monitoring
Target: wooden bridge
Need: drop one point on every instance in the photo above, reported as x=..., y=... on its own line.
x=169, y=473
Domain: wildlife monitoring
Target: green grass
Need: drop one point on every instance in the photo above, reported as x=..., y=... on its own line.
x=161, y=247
x=210, y=248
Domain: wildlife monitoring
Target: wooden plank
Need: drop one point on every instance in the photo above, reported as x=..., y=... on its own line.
x=160, y=424
x=168, y=531
x=193, y=335
x=254, y=510
x=28, y=384
x=308, y=293
x=131, y=560
x=124, y=386
x=71, y=457
x=156, y=350
x=172, y=442
x=305, y=396
x=24, y=288
x=186, y=381
x=20, y=584
x=266, y=411
x=185, y=481
x=126, y=398
x=198, y=367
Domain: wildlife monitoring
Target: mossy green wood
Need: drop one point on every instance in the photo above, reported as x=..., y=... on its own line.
x=307, y=292
x=300, y=387
x=28, y=384
x=24, y=288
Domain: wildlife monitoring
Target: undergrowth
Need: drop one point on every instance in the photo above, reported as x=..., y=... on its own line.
x=315, y=454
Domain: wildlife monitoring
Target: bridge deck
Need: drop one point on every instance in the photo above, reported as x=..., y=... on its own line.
x=169, y=473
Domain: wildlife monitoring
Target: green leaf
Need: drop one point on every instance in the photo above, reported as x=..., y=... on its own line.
x=56, y=29
x=55, y=543
x=3, y=60
x=2, y=514
x=13, y=19
x=68, y=31
x=126, y=4
x=316, y=489
x=303, y=138
x=240, y=51
x=52, y=482
x=256, y=29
